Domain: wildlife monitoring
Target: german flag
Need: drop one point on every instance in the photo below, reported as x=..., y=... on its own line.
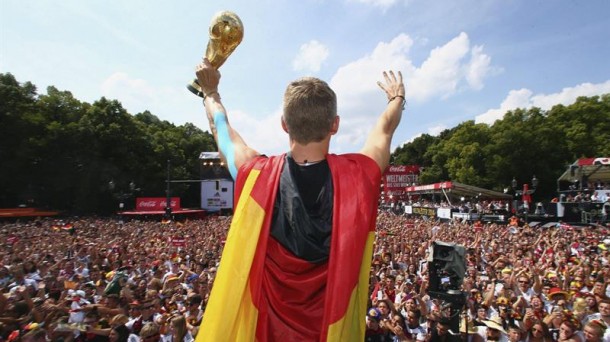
x=327, y=301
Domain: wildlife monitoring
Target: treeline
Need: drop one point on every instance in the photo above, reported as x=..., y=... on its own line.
x=60, y=153
x=523, y=144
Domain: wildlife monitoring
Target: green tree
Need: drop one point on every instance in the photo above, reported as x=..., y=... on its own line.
x=18, y=118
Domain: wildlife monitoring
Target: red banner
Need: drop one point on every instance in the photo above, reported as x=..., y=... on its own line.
x=178, y=241
x=156, y=203
x=397, y=177
x=435, y=186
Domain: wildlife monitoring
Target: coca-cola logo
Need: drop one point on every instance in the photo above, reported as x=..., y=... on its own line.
x=397, y=168
x=157, y=203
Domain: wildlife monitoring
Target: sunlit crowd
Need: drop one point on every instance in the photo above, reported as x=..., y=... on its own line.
x=102, y=279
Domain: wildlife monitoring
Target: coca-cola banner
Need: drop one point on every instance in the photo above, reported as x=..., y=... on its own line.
x=156, y=203
x=397, y=177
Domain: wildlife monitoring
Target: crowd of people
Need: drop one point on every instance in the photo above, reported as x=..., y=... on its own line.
x=99, y=279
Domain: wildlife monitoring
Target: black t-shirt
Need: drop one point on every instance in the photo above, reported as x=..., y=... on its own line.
x=310, y=181
x=302, y=213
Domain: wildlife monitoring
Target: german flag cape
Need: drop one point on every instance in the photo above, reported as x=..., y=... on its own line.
x=245, y=304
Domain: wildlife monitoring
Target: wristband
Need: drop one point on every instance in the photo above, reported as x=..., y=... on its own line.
x=214, y=92
x=404, y=101
x=395, y=96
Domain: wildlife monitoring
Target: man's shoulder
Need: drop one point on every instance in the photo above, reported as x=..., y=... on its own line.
x=361, y=169
x=260, y=161
x=359, y=157
x=356, y=160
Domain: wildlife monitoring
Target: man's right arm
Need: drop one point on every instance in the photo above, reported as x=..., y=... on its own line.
x=233, y=149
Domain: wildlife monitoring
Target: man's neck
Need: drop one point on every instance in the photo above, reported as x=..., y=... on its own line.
x=310, y=153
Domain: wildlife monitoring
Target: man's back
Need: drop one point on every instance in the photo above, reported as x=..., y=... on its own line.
x=294, y=298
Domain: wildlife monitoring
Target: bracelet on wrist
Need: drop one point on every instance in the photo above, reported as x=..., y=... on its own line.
x=404, y=101
x=395, y=96
x=208, y=94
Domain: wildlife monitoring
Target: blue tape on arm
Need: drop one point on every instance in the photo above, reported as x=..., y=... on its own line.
x=225, y=145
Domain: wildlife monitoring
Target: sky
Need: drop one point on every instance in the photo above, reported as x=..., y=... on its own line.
x=461, y=59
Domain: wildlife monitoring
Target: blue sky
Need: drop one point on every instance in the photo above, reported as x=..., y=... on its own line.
x=461, y=59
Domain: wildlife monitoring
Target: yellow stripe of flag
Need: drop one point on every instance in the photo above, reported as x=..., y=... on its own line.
x=344, y=329
x=230, y=314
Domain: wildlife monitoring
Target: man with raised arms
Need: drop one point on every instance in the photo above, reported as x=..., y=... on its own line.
x=296, y=263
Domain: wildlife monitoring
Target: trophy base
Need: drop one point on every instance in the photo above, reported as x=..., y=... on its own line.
x=194, y=88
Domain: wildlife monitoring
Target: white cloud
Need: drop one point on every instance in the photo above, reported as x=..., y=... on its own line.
x=384, y=4
x=436, y=130
x=311, y=56
x=478, y=68
x=446, y=70
x=524, y=98
x=263, y=134
x=129, y=91
x=360, y=100
x=440, y=73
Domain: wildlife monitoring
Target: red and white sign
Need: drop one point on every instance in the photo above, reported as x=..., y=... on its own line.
x=397, y=177
x=178, y=241
x=156, y=203
x=435, y=186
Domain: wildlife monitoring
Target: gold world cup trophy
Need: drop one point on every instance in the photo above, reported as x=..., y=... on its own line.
x=226, y=32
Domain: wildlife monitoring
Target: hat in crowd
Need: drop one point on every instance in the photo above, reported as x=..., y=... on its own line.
x=494, y=323
x=467, y=326
x=374, y=313
x=507, y=271
x=556, y=291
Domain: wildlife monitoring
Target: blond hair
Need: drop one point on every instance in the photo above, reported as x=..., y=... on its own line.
x=310, y=108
